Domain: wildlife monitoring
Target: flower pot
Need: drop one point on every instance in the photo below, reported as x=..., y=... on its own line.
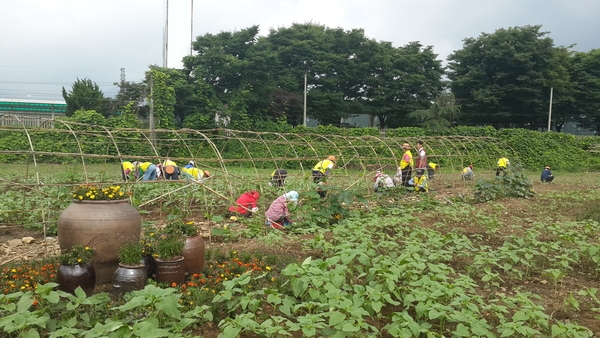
x=69, y=277
x=150, y=265
x=170, y=271
x=193, y=252
x=103, y=225
x=129, y=278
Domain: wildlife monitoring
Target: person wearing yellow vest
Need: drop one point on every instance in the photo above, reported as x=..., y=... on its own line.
x=127, y=167
x=503, y=164
x=406, y=164
x=171, y=170
x=467, y=173
x=190, y=171
x=278, y=177
x=431, y=169
x=420, y=181
x=148, y=169
x=323, y=169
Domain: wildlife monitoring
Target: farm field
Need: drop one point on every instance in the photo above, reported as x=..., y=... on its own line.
x=397, y=263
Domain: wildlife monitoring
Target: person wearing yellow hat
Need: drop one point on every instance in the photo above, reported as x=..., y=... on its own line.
x=406, y=164
x=323, y=169
x=546, y=176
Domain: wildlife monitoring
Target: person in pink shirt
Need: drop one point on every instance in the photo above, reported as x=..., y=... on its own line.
x=278, y=214
x=246, y=204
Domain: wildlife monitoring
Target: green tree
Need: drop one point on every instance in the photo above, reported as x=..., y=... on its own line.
x=440, y=116
x=85, y=95
x=585, y=74
x=400, y=80
x=163, y=98
x=131, y=98
x=504, y=78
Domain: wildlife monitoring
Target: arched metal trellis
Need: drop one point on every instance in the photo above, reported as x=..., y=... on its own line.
x=238, y=160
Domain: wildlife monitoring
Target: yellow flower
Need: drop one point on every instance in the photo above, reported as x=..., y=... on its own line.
x=78, y=260
x=92, y=196
x=80, y=197
x=272, y=279
x=268, y=268
x=13, y=270
x=87, y=247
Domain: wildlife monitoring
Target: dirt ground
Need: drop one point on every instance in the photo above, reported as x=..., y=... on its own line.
x=514, y=212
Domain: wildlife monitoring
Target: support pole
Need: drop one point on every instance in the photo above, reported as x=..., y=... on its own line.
x=550, y=110
x=304, y=121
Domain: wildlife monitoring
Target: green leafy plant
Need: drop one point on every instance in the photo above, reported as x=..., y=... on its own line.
x=78, y=254
x=181, y=227
x=168, y=247
x=131, y=253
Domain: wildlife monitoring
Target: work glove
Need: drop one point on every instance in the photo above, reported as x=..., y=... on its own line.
x=255, y=209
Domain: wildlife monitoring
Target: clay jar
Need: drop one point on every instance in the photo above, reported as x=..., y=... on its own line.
x=69, y=277
x=103, y=225
x=129, y=278
x=193, y=252
x=170, y=272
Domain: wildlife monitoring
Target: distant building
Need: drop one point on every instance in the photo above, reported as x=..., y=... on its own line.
x=39, y=108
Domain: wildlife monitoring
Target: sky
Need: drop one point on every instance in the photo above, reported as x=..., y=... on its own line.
x=49, y=44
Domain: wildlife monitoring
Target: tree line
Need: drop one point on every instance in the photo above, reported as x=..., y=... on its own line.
x=501, y=79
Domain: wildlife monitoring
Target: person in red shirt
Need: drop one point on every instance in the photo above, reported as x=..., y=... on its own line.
x=246, y=204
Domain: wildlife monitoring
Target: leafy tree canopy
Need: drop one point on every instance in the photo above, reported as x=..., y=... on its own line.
x=85, y=95
x=504, y=78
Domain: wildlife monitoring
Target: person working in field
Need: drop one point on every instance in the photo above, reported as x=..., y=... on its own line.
x=503, y=165
x=127, y=168
x=278, y=177
x=382, y=180
x=323, y=169
x=145, y=169
x=406, y=164
x=432, y=169
x=170, y=170
x=246, y=204
x=467, y=173
x=420, y=181
x=546, y=176
x=278, y=215
x=190, y=171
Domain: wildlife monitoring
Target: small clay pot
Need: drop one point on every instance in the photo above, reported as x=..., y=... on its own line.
x=129, y=278
x=170, y=272
x=69, y=277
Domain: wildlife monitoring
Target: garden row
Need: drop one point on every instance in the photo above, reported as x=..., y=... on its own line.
x=425, y=269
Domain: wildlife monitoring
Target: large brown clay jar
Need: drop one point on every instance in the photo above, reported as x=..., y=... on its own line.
x=103, y=225
x=193, y=252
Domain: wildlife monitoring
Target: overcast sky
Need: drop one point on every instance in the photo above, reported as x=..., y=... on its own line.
x=48, y=44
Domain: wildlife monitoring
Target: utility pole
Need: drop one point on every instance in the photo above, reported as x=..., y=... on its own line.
x=166, y=37
x=304, y=123
x=151, y=115
x=550, y=109
x=192, y=28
